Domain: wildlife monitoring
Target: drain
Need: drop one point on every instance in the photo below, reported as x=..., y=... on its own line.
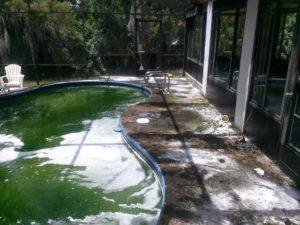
x=143, y=120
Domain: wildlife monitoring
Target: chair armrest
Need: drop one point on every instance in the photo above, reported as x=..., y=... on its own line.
x=3, y=87
x=21, y=77
x=21, y=80
x=2, y=78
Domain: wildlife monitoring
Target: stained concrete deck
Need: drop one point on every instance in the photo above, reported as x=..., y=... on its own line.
x=208, y=165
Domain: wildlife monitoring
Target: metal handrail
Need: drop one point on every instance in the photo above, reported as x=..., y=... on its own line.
x=158, y=73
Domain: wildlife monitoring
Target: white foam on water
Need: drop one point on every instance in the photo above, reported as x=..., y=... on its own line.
x=101, y=132
x=8, y=154
x=107, y=167
x=104, y=161
x=108, y=199
x=108, y=164
x=117, y=218
x=10, y=140
x=110, y=168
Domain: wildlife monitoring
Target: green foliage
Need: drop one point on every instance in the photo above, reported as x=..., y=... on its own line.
x=77, y=32
x=226, y=34
x=287, y=34
x=69, y=34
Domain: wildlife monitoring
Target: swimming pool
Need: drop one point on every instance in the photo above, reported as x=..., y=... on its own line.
x=61, y=162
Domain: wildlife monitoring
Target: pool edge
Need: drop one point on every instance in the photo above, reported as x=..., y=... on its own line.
x=75, y=84
x=142, y=152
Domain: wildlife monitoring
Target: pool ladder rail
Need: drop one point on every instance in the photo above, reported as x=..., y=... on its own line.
x=105, y=77
x=165, y=86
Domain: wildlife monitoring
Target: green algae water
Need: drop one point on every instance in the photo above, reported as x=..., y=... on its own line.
x=62, y=163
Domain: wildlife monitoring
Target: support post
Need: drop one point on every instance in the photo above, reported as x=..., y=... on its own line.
x=209, y=18
x=184, y=49
x=243, y=88
x=136, y=49
x=160, y=50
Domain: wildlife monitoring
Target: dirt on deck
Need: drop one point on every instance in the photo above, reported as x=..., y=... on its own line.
x=214, y=175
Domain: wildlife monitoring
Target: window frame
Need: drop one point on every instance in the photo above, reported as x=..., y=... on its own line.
x=294, y=115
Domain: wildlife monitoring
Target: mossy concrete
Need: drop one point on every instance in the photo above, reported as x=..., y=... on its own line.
x=208, y=165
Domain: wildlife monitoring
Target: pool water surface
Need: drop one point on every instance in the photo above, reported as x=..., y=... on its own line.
x=61, y=162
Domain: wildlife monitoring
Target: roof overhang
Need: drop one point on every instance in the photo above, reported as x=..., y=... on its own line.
x=178, y=4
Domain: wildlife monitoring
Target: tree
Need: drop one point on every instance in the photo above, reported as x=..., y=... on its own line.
x=69, y=31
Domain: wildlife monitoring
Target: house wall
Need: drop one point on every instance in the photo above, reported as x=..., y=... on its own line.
x=254, y=120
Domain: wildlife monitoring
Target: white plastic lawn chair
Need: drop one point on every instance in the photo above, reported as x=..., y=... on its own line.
x=14, y=77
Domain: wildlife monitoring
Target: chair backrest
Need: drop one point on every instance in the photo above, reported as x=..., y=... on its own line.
x=13, y=72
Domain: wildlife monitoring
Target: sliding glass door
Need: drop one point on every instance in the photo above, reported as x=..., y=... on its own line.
x=228, y=31
x=290, y=156
x=275, y=39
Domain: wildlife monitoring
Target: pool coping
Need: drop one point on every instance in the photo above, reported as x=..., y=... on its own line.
x=142, y=152
x=75, y=84
x=130, y=141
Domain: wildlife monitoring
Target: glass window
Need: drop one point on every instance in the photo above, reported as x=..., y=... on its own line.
x=279, y=62
x=238, y=48
x=189, y=37
x=199, y=26
x=275, y=40
x=195, y=46
x=196, y=38
x=228, y=31
x=224, y=47
x=262, y=50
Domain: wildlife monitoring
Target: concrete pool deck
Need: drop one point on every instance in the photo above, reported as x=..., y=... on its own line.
x=214, y=175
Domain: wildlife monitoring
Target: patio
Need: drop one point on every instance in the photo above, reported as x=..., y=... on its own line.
x=229, y=114
x=209, y=167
